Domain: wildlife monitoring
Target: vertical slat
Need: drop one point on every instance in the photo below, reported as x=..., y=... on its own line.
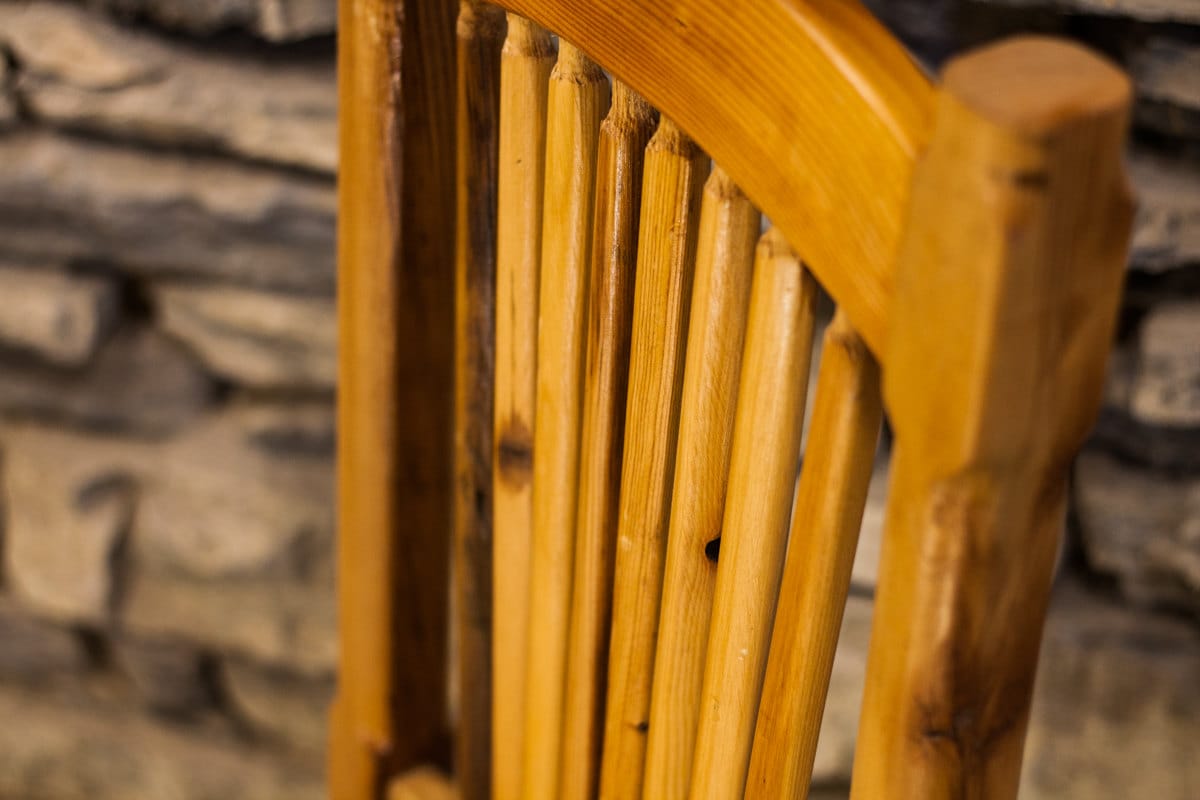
x=623, y=138
x=832, y=492
x=762, y=474
x=1015, y=246
x=729, y=227
x=480, y=37
x=396, y=321
x=675, y=172
x=579, y=97
x=525, y=64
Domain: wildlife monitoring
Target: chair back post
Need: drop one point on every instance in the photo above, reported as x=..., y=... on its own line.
x=1006, y=295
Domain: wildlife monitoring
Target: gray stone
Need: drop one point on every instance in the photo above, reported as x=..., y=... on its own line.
x=35, y=650
x=167, y=676
x=275, y=20
x=1166, y=384
x=255, y=338
x=8, y=104
x=1166, y=231
x=60, y=317
x=1168, y=90
x=1148, y=10
x=80, y=71
x=289, y=707
x=1142, y=527
x=138, y=381
x=164, y=213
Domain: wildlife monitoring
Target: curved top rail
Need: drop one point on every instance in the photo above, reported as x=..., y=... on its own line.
x=811, y=106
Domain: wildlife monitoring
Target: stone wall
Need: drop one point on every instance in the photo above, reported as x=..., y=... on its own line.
x=166, y=428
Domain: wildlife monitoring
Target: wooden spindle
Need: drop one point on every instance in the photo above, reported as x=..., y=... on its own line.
x=480, y=37
x=578, y=100
x=830, y=498
x=729, y=228
x=623, y=138
x=1016, y=246
x=674, y=177
x=762, y=474
x=525, y=64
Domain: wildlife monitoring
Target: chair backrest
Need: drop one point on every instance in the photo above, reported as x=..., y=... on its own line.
x=601, y=406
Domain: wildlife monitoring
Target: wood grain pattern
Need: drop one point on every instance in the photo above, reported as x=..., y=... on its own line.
x=989, y=406
x=525, y=64
x=762, y=474
x=826, y=518
x=623, y=138
x=578, y=100
x=396, y=321
x=480, y=37
x=729, y=228
x=674, y=178
x=828, y=158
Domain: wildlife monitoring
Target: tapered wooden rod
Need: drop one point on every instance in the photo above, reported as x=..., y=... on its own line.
x=525, y=64
x=480, y=37
x=1016, y=241
x=729, y=227
x=828, y=511
x=672, y=187
x=578, y=100
x=762, y=474
x=623, y=138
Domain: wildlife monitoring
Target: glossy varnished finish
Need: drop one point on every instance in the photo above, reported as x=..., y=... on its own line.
x=989, y=406
x=623, y=138
x=579, y=98
x=525, y=64
x=395, y=287
x=830, y=497
x=729, y=228
x=828, y=157
x=675, y=171
x=762, y=472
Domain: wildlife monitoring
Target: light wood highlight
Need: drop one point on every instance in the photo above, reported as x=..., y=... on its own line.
x=525, y=64
x=762, y=474
x=1015, y=247
x=675, y=171
x=623, y=138
x=729, y=228
x=396, y=321
x=828, y=158
x=578, y=100
x=830, y=497
x=423, y=783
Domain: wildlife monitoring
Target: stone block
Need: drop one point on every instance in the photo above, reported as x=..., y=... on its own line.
x=59, y=317
x=1146, y=10
x=167, y=676
x=291, y=708
x=34, y=650
x=1168, y=91
x=1166, y=233
x=274, y=20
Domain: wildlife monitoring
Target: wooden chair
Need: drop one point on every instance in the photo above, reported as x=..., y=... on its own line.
x=574, y=375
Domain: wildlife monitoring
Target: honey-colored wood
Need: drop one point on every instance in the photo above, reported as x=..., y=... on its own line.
x=578, y=100
x=423, y=783
x=623, y=138
x=729, y=228
x=396, y=321
x=830, y=497
x=525, y=64
x=675, y=171
x=762, y=473
x=828, y=157
x=1007, y=293
x=480, y=37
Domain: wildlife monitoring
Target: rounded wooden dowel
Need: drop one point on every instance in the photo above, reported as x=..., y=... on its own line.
x=525, y=64
x=729, y=227
x=578, y=100
x=762, y=476
x=623, y=138
x=831, y=495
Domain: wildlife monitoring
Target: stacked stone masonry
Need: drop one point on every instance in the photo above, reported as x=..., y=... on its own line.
x=167, y=370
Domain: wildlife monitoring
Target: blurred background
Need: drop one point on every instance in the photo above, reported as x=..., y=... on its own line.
x=167, y=369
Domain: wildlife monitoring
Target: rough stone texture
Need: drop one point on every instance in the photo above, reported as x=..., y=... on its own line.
x=164, y=214
x=80, y=72
x=1167, y=228
x=139, y=381
x=1166, y=385
x=289, y=707
x=1141, y=527
x=1148, y=10
x=62, y=318
x=69, y=748
x=168, y=677
x=275, y=20
x=1168, y=91
x=34, y=651
x=255, y=338
x=8, y=105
